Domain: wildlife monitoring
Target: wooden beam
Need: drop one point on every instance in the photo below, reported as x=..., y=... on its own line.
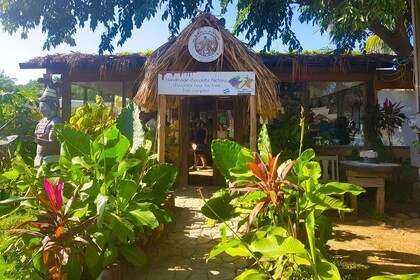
x=66, y=101
x=95, y=76
x=253, y=123
x=161, y=128
x=314, y=74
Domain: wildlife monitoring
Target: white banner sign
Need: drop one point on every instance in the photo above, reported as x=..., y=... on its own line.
x=206, y=83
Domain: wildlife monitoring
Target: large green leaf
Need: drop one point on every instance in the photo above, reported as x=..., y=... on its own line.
x=291, y=245
x=305, y=157
x=219, y=207
x=116, y=145
x=128, y=122
x=91, y=257
x=323, y=202
x=159, y=179
x=121, y=167
x=324, y=227
x=9, y=175
x=327, y=270
x=118, y=228
x=225, y=154
x=222, y=247
x=72, y=270
x=268, y=246
x=126, y=191
x=241, y=170
x=161, y=215
x=133, y=254
x=144, y=218
x=264, y=145
x=110, y=254
x=312, y=169
x=100, y=202
x=240, y=250
x=77, y=143
x=310, y=232
x=38, y=263
x=252, y=274
x=338, y=188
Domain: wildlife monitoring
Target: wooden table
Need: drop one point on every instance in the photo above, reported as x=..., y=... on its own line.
x=369, y=175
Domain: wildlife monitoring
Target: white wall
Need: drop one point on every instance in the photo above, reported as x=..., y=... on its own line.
x=403, y=136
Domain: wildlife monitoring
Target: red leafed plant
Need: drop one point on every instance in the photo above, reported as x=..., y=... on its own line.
x=271, y=181
x=61, y=232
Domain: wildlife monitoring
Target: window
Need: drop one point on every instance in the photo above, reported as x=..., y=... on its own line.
x=337, y=111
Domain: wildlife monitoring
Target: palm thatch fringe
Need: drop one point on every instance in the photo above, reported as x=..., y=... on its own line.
x=174, y=56
x=74, y=62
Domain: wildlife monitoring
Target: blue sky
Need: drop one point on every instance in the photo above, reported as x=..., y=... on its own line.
x=151, y=35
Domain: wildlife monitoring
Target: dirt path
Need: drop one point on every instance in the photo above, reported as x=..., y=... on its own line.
x=377, y=248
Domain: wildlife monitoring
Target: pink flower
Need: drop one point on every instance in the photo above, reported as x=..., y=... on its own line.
x=55, y=193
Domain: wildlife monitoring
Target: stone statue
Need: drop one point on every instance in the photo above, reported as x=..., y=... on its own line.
x=48, y=147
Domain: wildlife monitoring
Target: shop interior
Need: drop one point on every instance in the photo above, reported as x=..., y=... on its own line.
x=210, y=118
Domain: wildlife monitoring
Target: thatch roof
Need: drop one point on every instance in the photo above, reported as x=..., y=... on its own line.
x=73, y=62
x=174, y=56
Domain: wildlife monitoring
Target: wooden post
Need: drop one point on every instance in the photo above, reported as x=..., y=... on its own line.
x=415, y=12
x=124, y=95
x=85, y=90
x=161, y=128
x=66, y=101
x=184, y=140
x=253, y=123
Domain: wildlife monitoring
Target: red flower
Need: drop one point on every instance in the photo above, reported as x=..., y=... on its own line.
x=388, y=106
x=55, y=193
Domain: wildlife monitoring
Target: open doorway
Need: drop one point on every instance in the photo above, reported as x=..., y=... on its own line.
x=201, y=129
x=211, y=118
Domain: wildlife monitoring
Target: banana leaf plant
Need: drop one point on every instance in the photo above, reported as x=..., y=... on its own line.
x=118, y=183
x=282, y=204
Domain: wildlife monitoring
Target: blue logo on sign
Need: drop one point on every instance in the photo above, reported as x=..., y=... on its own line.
x=226, y=91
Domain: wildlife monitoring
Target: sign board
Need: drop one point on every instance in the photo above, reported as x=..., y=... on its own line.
x=206, y=83
x=205, y=44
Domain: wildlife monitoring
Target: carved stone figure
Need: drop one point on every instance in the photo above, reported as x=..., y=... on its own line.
x=48, y=147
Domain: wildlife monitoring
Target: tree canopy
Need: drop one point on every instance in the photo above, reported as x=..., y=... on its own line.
x=349, y=22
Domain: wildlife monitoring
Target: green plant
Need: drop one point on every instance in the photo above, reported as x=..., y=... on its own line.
x=17, y=117
x=92, y=118
x=118, y=183
x=284, y=131
x=58, y=244
x=282, y=205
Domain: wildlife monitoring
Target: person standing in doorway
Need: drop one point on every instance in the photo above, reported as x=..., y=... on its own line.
x=199, y=142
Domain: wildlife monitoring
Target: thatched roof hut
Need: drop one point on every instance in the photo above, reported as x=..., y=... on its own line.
x=174, y=56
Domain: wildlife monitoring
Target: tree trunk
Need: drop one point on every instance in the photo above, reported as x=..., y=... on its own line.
x=398, y=41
